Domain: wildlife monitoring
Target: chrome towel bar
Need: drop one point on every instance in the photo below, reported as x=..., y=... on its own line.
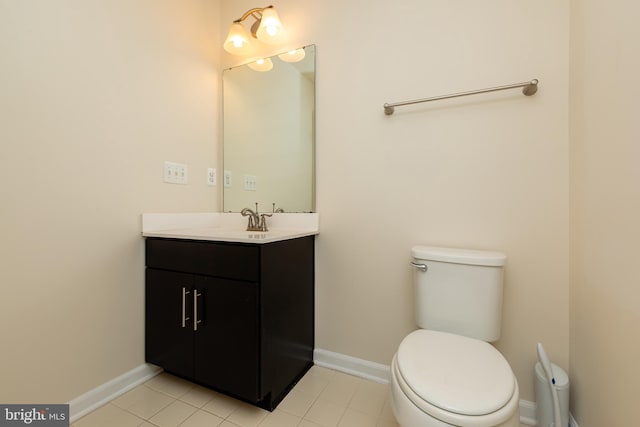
x=529, y=88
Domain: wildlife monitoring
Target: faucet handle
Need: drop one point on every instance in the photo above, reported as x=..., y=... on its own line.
x=263, y=221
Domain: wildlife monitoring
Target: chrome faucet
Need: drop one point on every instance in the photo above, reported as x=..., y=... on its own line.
x=254, y=219
x=257, y=221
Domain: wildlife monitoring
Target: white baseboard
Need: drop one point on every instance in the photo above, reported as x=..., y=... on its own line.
x=352, y=365
x=382, y=374
x=528, y=413
x=93, y=399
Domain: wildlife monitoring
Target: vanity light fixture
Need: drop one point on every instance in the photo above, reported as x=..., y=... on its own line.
x=267, y=28
x=262, y=64
x=293, y=55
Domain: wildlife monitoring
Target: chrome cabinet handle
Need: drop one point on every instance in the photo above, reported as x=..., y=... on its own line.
x=195, y=309
x=185, y=292
x=421, y=267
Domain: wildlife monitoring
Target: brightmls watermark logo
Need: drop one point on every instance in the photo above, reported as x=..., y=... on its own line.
x=34, y=415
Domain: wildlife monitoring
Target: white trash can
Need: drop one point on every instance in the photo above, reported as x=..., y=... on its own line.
x=544, y=401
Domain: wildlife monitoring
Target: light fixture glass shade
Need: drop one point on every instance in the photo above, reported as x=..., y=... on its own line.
x=238, y=40
x=270, y=30
x=263, y=64
x=293, y=55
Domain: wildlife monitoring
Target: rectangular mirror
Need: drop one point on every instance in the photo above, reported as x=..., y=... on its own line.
x=269, y=135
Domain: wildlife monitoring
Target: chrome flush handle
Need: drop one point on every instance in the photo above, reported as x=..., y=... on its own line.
x=421, y=267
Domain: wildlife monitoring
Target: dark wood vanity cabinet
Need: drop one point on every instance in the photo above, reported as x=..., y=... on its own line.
x=238, y=318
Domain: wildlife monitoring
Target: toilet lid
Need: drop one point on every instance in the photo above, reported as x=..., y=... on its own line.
x=455, y=373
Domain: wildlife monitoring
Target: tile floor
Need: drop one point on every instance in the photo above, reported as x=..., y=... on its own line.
x=323, y=398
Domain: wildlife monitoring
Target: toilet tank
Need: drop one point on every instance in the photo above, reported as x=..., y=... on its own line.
x=459, y=291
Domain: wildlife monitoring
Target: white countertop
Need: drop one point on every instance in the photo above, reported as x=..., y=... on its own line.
x=228, y=227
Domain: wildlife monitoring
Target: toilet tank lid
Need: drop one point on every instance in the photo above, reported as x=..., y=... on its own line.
x=459, y=256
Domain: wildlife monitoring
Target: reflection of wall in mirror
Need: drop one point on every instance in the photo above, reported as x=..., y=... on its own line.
x=268, y=134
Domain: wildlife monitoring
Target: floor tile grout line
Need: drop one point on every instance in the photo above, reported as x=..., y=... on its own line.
x=148, y=419
x=315, y=399
x=322, y=378
x=157, y=412
x=146, y=384
x=175, y=399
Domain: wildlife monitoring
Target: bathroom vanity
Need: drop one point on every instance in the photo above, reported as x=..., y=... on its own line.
x=231, y=310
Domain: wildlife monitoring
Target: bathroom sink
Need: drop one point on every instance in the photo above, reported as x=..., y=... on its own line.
x=231, y=235
x=227, y=227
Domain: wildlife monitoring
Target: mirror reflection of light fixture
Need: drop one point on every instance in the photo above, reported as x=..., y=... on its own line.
x=267, y=28
x=293, y=55
x=262, y=64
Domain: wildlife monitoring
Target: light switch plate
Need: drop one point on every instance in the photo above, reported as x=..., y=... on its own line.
x=250, y=183
x=175, y=173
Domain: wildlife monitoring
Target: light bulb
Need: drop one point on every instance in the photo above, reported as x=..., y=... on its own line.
x=270, y=30
x=237, y=42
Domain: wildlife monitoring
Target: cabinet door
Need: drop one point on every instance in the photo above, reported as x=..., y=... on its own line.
x=227, y=340
x=169, y=328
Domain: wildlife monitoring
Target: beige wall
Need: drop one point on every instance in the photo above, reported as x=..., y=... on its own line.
x=486, y=172
x=96, y=95
x=605, y=207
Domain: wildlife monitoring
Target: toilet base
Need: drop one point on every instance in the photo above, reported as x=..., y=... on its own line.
x=407, y=414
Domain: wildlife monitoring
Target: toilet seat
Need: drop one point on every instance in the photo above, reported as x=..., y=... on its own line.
x=455, y=379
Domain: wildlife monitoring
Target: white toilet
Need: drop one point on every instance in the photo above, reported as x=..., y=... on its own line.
x=447, y=373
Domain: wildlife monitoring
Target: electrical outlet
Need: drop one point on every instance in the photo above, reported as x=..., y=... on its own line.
x=228, y=182
x=211, y=177
x=175, y=173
